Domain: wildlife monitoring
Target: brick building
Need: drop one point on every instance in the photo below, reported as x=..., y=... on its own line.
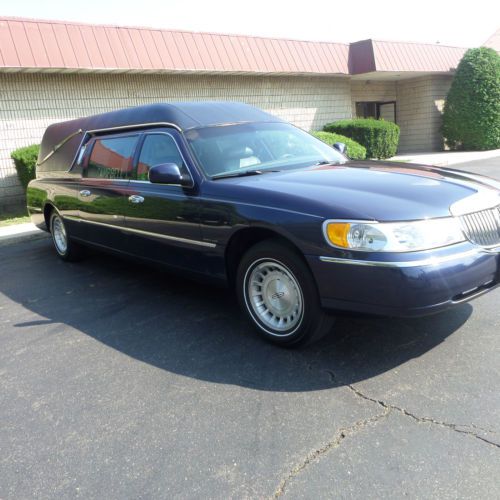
x=52, y=71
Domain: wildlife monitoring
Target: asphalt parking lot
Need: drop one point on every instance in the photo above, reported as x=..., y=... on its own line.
x=120, y=381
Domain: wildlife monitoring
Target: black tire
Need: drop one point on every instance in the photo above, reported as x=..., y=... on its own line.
x=299, y=319
x=68, y=250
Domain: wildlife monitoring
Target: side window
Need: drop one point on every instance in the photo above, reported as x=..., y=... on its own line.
x=157, y=149
x=112, y=158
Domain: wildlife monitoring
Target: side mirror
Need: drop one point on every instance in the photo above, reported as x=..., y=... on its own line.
x=167, y=173
x=341, y=147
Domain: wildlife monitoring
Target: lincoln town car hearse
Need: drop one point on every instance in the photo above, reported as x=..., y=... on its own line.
x=226, y=191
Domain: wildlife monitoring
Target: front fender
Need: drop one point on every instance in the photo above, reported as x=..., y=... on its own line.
x=220, y=221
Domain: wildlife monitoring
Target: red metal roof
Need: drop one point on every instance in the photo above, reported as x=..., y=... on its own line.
x=493, y=41
x=408, y=56
x=45, y=45
x=26, y=43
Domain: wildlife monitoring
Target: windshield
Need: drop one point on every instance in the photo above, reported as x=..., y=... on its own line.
x=257, y=146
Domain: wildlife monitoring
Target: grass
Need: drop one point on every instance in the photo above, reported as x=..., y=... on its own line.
x=8, y=219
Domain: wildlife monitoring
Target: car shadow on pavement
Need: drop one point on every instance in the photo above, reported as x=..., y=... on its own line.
x=196, y=330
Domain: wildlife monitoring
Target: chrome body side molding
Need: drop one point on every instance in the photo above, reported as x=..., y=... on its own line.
x=144, y=233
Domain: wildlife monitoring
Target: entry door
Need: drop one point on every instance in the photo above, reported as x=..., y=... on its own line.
x=387, y=111
x=163, y=221
x=103, y=195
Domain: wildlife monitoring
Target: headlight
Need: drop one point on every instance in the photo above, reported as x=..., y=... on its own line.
x=393, y=236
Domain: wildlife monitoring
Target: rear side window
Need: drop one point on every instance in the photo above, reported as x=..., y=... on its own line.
x=157, y=149
x=112, y=158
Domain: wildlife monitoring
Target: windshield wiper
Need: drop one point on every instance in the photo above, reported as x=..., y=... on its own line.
x=242, y=174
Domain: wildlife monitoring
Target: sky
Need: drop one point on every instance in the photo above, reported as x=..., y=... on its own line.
x=449, y=22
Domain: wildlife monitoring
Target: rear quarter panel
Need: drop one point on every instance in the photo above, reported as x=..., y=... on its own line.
x=60, y=193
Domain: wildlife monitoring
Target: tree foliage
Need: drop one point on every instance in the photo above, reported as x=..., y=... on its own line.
x=471, y=118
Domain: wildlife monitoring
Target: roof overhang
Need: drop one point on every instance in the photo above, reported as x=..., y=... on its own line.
x=31, y=45
x=141, y=71
x=388, y=76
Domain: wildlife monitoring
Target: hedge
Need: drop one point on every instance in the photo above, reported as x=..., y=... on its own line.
x=354, y=149
x=379, y=137
x=471, y=117
x=25, y=162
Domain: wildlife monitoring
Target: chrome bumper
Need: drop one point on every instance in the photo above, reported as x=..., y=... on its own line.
x=422, y=262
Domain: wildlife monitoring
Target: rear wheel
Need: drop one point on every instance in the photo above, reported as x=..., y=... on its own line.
x=66, y=248
x=278, y=294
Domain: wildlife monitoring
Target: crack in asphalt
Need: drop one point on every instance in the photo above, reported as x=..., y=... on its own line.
x=360, y=424
x=429, y=420
x=384, y=404
x=340, y=435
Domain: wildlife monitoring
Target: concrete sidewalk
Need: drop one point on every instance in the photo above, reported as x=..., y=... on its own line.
x=445, y=158
x=20, y=232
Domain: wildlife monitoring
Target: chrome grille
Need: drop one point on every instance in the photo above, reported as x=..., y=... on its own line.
x=483, y=228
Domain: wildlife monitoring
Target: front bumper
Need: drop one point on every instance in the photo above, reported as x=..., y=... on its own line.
x=411, y=284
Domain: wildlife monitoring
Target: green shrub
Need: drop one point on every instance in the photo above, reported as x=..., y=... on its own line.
x=380, y=138
x=25, y=162
x=471, y=118
x=354, y=150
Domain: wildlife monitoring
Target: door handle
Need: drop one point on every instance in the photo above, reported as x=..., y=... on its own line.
x=135, y=199
x=85, y=192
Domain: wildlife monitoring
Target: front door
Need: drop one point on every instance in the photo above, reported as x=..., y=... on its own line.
x=387, y=111
x=163, y=221
x=103, y=194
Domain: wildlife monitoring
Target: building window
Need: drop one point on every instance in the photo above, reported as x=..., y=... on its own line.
x=366, y=110
x=377, y=110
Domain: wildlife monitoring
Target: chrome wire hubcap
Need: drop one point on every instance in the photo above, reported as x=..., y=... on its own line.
x=275, y=296
x=59, y=235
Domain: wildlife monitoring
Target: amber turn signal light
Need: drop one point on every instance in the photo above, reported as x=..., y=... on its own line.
x=337, y=233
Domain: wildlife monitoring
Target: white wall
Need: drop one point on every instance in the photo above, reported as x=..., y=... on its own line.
x=370, y=90
x=419, y=106
x=30, y=102
x=419, y=109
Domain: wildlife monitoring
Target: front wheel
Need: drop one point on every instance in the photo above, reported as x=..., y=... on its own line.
x=66, y=249
x=278, y=294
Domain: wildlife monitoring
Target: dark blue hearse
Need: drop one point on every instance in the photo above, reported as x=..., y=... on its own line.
x=225, y=190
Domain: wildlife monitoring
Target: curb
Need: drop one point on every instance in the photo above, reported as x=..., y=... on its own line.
x=447, y=158
x=30, y=235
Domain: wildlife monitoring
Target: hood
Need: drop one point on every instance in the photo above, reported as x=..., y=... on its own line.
x=367, y=190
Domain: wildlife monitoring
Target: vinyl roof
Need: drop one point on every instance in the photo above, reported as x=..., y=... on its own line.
x=40, y=45
x=183, y=115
